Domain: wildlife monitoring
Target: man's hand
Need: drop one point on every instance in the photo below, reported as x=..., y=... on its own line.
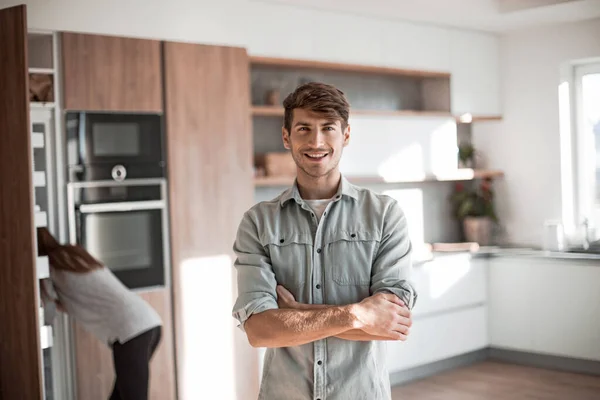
x=285, y=299
x=384, y=309
x=383, y=314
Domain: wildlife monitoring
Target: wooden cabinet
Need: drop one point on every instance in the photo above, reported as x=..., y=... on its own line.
x=209, y=141
x=94, y=363
x=20, y=351
x=106, y=73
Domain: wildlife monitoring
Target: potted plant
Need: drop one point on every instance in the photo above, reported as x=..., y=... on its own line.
x=474, y=207
x=466, y=155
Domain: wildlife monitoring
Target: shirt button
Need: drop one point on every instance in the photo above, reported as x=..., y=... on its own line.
x=281, y=240
x=318, y=286
x=318, y=250
x=319, y=362
x=352, y=236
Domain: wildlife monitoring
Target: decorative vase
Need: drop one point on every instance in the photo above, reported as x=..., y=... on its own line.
x=478, y=230
x=272, y=97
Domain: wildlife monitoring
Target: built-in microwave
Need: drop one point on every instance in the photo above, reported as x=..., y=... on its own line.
x=114, y=146
x=125, y=226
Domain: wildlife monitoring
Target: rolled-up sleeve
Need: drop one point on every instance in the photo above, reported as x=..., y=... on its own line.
x=392, y=269
x=255, y=277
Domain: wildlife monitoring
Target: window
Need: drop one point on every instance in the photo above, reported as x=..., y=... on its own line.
x=586, y=113
x=579, y=116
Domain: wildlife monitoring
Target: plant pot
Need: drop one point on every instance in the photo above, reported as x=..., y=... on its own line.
x=478, y=230
x=465, y=163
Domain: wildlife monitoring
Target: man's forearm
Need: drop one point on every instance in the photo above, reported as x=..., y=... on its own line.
x=295, y=327
x=358, y=335
x=352, y=334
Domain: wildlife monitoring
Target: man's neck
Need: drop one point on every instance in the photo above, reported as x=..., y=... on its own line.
x=324, y=187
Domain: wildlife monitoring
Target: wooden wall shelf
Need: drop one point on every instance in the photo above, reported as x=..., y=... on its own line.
x=465, y=174
x=273, y=111
x=309, y=64
x=266, y=111
x=39, y=105
x=44, y=71
x=483, y=118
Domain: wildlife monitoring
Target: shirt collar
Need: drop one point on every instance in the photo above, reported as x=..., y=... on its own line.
x=345, y=189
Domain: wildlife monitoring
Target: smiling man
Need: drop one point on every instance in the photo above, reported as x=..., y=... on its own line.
x=323, y=268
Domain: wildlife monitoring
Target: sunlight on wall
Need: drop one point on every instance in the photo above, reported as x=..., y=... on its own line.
x=442, y=279
x=404, y=165
x=208, y=365
x=443, y=149
x=411, y=201
x=566, y=157
x=400, y=148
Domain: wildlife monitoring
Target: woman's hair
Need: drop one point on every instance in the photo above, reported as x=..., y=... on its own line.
x=65, y=257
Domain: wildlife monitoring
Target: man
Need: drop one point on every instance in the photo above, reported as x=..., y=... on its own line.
x=335, y=256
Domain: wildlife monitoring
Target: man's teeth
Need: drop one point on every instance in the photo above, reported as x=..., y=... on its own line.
x=317, y=155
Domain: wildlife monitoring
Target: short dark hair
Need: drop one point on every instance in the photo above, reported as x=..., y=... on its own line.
x=319, y=98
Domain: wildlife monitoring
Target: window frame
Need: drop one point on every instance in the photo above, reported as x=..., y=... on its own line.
x=585, y=185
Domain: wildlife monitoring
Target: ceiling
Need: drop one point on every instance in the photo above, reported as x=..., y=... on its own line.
x=487, y=15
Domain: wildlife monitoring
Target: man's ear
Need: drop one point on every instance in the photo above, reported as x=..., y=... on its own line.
x=346, y=135
x=285, y=135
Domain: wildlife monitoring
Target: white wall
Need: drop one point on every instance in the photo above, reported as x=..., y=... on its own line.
x=526, y=144
x=263, y=28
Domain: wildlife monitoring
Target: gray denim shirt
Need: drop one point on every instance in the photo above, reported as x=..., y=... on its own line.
x=359, y=247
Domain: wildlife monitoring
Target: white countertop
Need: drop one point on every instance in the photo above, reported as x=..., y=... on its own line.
x=498, y=251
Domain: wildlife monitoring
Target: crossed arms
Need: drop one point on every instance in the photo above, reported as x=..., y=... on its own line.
x=271, y=316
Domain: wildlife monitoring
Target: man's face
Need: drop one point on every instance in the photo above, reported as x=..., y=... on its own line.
x=316, y=142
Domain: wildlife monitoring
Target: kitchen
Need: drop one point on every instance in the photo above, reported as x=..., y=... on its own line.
x=478, y=73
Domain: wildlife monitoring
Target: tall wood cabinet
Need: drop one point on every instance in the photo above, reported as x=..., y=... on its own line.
x=207, y=93
x=117, y=74
x=20, y=352
x=109, y=73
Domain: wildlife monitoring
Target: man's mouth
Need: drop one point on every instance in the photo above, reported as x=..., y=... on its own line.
x=316, y=156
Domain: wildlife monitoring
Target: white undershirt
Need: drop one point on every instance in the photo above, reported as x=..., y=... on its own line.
x=319, y=206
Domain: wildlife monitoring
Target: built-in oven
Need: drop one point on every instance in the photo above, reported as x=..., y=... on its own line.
x=124, y=224
x=117, y=146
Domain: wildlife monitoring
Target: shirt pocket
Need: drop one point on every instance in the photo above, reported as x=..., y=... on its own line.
x=290, y=258
x=352, y=254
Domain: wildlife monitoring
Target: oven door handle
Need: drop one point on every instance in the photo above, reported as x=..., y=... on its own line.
x=121, y=207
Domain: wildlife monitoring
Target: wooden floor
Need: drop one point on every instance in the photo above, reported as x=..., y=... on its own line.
x=494, y=381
